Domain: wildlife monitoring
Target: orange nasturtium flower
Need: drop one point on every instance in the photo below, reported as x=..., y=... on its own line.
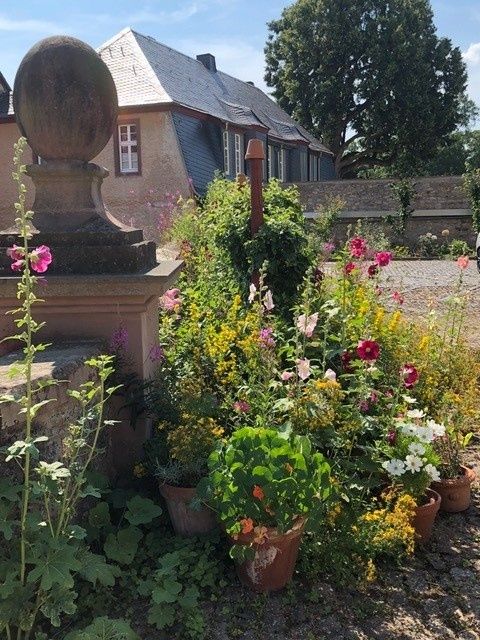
x=247, y=525
x=258, y=492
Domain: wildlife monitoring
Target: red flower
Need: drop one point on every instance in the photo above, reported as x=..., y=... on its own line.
x=462, y=262
x=346, y=358
x=383, y=258
x=258, y=492
x=392, y=437
x=409, y=374
x=372, y=270
x=349, y=267
x=368, y=350
x=357, y=247
x=397, y=297
x=247, y=525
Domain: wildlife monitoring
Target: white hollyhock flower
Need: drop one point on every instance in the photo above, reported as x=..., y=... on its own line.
x=416, y=448
x=437, y=429
x=413, y=463
x=416, y=413
x=432, y=472
x=307, y=324
x=268, y=300
x=394, y=467
x=253, y=291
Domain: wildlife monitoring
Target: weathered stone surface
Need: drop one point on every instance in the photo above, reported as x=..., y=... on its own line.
x=65, y=99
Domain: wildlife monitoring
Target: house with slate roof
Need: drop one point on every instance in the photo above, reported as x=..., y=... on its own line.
x=180, y=120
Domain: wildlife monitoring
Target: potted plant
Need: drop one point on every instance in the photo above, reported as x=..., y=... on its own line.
x=411, y=464
x=177, y=457
x=263, y=484
x=456, y=479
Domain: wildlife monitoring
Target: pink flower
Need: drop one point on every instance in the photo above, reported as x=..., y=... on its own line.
x=397, y=297
x=156, y=354
x=383, y=258
x=410, y=375
x=268, y=301
x=303, y=368
x=364, y=406
x=15, y=252
x=368, y=350
x=119, y=340
x=392, y=437
x=349, y=267
x=306, y=325
x=241, y=406
x=17, y=265
x=266, y=338
x=286, y=375
x=357, y=247
x=328, y=248
x=40, y=258
x=372, y=270
x=462, y=262
x=170, y=301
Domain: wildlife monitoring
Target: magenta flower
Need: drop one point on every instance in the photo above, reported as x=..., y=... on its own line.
x=156, y=354
x=40, y=258
x=286, y=375
x=303, y=368
x=306, y=325
x=372, y=270
x=328, y=248
x=357, y=247
x=410, y=375
x=241, y=406
x=349, y=267
x=383, y=258
x=392, y=437
x=119, y=340
x=15, y=252
x=171, y=301
x=266, y=338
x=368, y=350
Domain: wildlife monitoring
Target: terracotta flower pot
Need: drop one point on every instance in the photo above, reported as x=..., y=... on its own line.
x=186, y=521
x=455, y=492
x=425, y=515
x=274, y=562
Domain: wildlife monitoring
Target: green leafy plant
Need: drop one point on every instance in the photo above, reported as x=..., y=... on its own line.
x=458, y=248
x=450, y=448
x=265, y=478
x=105, y=629
x=403, y=192
x=471, y=184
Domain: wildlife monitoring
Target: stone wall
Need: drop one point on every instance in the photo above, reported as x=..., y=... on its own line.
x=375, y=196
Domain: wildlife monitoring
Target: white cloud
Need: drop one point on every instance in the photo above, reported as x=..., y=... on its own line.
x=164, y=17
x=238, y=59
x=472, y=59
x=40, y=26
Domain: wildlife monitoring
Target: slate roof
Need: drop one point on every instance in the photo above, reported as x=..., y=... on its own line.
x=148, y=72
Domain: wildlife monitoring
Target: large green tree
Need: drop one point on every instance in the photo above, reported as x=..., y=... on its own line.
x=370, y=77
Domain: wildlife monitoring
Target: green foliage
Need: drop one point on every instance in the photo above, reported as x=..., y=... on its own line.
x=457, y=248
x=267, y=476
x=471, y=183
x=460, y=149
x=105, y=629
x=326, y=61
x=403, y=192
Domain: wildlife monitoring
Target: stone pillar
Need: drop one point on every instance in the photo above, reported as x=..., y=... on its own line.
x=255, y=156
x=103, y=275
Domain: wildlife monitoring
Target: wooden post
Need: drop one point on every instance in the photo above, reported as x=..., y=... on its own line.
x=255, y=156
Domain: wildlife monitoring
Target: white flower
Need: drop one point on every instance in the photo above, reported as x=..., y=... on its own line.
x=409, y=399
x=394, y=467
x=413, y=463
x=438, y=429
x=330, y=375
x=415, y=413
x=425, y=434
x=306, y=325
x=268, y=301
x=253, y=291
x=408, y=428
x=432, y=472
x=416, y=448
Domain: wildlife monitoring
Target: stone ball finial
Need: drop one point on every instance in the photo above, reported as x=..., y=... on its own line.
x=65, y=100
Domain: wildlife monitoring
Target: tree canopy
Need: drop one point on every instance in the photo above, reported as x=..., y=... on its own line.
x=369, y=77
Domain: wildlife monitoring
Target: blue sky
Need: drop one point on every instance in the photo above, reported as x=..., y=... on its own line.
x=233, y=30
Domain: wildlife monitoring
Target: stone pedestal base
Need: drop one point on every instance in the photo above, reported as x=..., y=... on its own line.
x=94, y=307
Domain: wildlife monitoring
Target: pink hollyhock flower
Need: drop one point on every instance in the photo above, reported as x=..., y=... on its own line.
x=156, y=354
x=253, y=291
x=15, y=252
x=368, y=350
x=119, y=340
x=392, y=437
x=306, y=325
x=357, y=247
x=170, y=301
x=383, y=258
x=286, y=375
x=40, y=258
x=241, y=406
x=410, y=375
x=17, y=265
x=266, y=338
x=397, y=297
x=349, y=267
x=372, y=270
x=303, y=368
x=462, y=262
x=268, y=301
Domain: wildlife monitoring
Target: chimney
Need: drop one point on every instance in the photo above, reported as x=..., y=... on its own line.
x=208, y=61
x=250, y=82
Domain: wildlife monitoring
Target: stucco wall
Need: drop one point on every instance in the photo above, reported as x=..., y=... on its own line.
x=139, y=201
x=444, y=192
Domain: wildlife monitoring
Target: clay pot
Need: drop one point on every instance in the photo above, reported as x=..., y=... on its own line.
x=455, y=492
x=425, y=515
x=186, y=521
x=274, y=562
